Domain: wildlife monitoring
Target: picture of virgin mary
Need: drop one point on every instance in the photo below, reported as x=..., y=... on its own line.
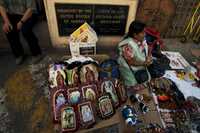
x=108, y=86
x=90, y=94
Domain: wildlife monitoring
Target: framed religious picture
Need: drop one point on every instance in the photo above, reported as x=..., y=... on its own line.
x=60, y=78
x=68, y=119
x=57, y=75
x=90, y=92
x=87, y=117
x=74, y=95
x=58, y=99
x=73, y=76
x=88, y=73
x=108, y=86
x=105, y=106
x=121, y=91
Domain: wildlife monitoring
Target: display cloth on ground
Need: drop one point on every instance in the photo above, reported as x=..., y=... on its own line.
x=29, y=102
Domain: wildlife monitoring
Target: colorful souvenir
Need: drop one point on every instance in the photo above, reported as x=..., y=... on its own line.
x=130, y=116
x=58, y=98
x=107, y=86
x=68, y=119
x=109, y=69
x=139, y=99
x=87, y=117
x=89, y=73
x=144, y=108
x=74, y=95
x=90, y=92
x=105, y=106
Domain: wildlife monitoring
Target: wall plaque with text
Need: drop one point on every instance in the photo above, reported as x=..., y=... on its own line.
x=104, y=19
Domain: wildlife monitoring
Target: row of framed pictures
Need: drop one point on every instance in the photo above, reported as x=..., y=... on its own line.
x=84, y=115
x=93, y=92
x=60, y=74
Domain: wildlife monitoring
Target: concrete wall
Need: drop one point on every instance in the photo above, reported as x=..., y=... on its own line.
x=103, y=40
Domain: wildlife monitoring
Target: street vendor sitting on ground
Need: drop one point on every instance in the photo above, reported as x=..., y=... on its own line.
x=133, y=56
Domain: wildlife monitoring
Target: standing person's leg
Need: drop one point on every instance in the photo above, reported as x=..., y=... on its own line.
x=30, y=36
x=14, y=40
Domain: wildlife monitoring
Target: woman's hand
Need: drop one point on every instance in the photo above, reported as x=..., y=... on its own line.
x=148, y=61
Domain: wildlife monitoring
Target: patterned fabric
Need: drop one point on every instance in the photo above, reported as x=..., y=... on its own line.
x=129, y=49
x=18, y=6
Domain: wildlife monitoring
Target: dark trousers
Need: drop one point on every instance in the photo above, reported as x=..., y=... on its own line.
x=14, y=38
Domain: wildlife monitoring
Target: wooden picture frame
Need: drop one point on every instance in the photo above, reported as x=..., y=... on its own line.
x=90, y=92
x=105, y=106
x=58, y=99
x=73, y=76
x=121, y=91
x=108, y=86
x=68, y=119
x=74, y=95
x=56, y=75
x=86, y=114
x=88, y=73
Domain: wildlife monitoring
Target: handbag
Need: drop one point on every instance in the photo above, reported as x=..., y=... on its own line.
x=141, y=76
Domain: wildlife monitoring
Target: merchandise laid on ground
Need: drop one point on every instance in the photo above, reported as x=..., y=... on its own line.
x=85, y=93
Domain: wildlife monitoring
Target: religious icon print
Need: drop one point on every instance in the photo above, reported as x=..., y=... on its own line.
x=86, y=113
x=74, y=95
x=90, y=92
x=107, y=86
x=58, y=100
x=105, y=106
x=88, y=73
x=68, y=119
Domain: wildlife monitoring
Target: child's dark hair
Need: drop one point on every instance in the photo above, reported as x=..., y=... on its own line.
x=135, y=27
